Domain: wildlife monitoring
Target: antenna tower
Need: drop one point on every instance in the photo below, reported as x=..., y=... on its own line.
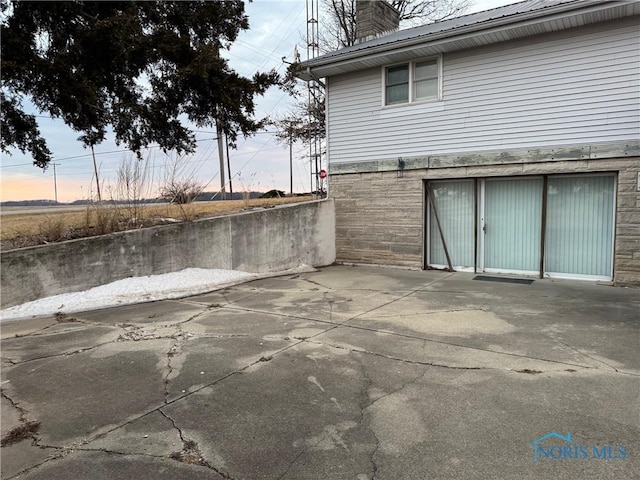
x=314, y=91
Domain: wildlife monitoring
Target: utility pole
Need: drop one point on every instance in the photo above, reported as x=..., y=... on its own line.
x=226, y=141
x=95, y=170
x=291, y=162
x=55, y=180
x=223, y=192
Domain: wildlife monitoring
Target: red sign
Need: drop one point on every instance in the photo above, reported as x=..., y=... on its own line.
x=323, y=174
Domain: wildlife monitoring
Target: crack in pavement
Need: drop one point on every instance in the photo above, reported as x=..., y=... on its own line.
x=420, y=362
x=404, y=335
x=24, y=421
x=190, y=301
x=132, y=333
x=188, y=447
x=580, y=352
x=332, y=326
x=430, y=312
x=26, y=429
x=101, y=433
x=278, y=314
x=313, y=282
x=295, y=459
x=308, y=447
x=173, y=350
x=460, y=345
x=364, y=404
x=421, y=288
x=38, y=333
x=64, y=354
x=190, y=452
x=115, y=452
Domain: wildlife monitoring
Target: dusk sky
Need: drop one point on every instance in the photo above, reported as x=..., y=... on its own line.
x=259, y=162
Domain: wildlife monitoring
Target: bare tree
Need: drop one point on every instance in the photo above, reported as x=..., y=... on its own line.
x=180, y=185
x=133, y=185
x=338, y=30
x=303, y=121
x=339, y=27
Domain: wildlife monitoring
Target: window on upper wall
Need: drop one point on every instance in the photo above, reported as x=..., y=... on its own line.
x=397, y=84
x=412, y=82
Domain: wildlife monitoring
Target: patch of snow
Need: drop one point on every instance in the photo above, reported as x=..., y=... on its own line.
x=191, y=281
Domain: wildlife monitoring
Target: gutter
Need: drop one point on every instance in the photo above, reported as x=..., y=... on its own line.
x=312, y=76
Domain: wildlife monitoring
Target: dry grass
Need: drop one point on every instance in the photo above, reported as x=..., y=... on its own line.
x=27, y=229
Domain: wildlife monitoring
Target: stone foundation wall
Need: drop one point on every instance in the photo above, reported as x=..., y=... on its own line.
x=380, y=217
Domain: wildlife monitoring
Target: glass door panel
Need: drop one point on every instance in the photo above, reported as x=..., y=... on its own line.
x=455, y=204
x=511, y=225
x=579, y=234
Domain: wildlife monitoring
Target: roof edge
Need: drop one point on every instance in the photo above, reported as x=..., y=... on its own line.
x=306, y=68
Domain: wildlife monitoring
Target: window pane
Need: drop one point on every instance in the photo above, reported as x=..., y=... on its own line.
x=426, y=88
x=396, y=75
x=455, y=203
x=426, y=70
x=513, y=215
x=398, y=94
x=579, y=237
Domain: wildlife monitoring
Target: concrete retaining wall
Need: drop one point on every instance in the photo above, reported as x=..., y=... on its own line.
x=266, y=240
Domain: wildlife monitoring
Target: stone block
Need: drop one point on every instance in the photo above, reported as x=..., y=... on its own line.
x=438, y=173
x=494, y=171
x=631, y=217
x=627, y=199
x=629, y=266
x=610, y=164
x=555, y=167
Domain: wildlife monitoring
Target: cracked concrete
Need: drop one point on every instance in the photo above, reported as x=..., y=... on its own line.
x=348, y=372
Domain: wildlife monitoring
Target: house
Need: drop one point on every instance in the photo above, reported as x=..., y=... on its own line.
x=503, y=141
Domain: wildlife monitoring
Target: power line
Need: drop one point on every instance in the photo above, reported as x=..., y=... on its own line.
x=77, y=157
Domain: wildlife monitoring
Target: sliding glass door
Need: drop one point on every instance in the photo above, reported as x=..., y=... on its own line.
x=511, y=225
x=496, y=225
x=454, y=208
x=579, y=230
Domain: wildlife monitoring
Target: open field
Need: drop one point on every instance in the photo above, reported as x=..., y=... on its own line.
x=51, y=224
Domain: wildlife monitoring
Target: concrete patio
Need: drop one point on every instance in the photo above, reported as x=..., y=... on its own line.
x=344, y=373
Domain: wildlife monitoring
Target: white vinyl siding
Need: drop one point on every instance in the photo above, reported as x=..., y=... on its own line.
x=580, y=226
x=573, y=87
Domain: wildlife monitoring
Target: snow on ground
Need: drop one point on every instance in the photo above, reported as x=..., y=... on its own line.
x=191, y=281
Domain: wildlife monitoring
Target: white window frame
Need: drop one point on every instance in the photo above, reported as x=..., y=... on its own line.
x=412, y=96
